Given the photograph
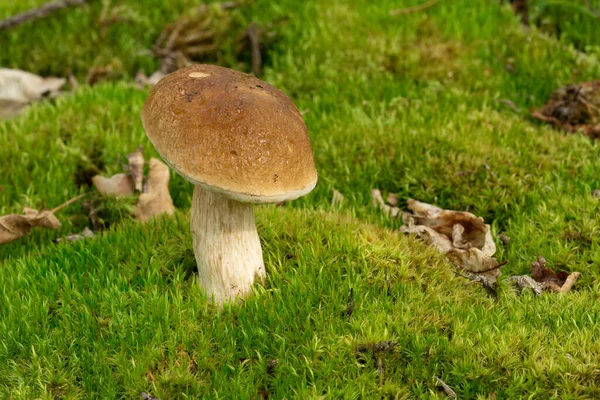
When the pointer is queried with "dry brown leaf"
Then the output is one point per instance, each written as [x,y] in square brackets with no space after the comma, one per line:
[116,185]
[392,199]
[553,281]
[19,88]
[377,200]
[136,168]
[15,226]
[85,233]
[158,199]
[337,198]
[465,239]
[572,108]
[525,281]
[429,236]
[463,228]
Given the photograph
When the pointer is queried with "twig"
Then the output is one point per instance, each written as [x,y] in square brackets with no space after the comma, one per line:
[68,202]
[409,10]
[254,38]
[569,282]
[40,12]
[447,389]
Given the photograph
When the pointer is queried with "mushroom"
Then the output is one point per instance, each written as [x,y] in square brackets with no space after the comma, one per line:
[240,141]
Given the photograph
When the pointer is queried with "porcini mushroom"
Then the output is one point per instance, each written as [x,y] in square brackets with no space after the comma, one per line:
[240,141]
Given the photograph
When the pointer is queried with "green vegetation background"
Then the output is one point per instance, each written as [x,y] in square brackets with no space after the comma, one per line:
[412,104]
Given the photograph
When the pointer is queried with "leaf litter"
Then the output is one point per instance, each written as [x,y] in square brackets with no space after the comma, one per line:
[543,278]
[573,108]
[467,242]
[157,200]
[20,88]
[463,237]
[213,33]
[16,226]
[154,198]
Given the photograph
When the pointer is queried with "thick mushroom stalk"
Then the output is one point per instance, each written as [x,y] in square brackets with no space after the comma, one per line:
[226,245]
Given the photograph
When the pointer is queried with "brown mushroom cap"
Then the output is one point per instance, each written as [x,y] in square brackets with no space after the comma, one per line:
[231,133]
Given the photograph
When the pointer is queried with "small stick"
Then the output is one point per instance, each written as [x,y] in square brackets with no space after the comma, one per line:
[254,38]
[68,202]
[569,282]
[409,10]
[447,389]
[40,12]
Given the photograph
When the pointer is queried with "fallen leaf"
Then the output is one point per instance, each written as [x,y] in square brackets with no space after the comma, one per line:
[392,199]
[142,80]
[504,238]
[136,168]
[337,198]
[463,228]
[157,200]
[85,233]
[378,202]
[465,239]
[441,242]
[15,226]
[116,185]
[553,281]
[573,108]
[19,88]
[524,282]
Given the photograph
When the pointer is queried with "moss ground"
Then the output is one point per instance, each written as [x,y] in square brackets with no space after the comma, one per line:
[412,104]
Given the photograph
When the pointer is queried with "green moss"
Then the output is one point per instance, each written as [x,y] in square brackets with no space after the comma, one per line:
[120,314]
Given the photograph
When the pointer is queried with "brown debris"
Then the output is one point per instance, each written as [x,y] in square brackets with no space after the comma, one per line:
[376,350]
[447,389]
[392,199]
[206,34]
[157,200]
[40,12]
[271,365]
[573,108]
[525,281]
[136,168]
[465,239]
[560,282]
[377,201]
[85,233]
[337,198]
[117,185]
[15,226]
[19,88]
[253,34]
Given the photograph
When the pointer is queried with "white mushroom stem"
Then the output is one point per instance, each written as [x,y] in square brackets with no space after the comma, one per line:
[226,245]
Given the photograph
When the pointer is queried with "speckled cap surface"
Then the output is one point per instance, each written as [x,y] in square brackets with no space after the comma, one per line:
[231,133]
